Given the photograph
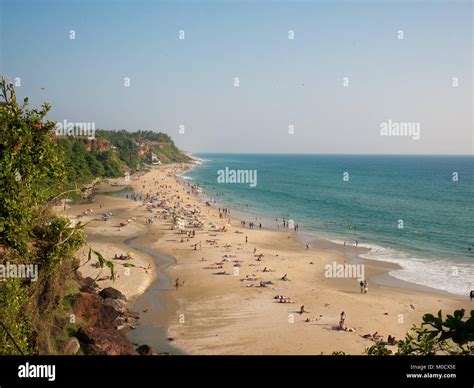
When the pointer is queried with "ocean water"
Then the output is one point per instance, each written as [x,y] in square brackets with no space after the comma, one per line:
[435,246]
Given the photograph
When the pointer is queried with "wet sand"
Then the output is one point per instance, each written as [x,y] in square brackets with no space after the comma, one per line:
[217,313]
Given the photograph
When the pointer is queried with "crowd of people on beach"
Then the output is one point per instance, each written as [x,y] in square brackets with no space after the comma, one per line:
[170,206]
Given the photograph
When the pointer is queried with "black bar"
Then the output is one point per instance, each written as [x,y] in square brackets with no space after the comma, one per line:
[359,370]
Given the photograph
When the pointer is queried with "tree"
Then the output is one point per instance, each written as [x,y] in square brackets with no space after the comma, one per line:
[30,165]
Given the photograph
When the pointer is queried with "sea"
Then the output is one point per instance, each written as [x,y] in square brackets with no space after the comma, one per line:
[415,211]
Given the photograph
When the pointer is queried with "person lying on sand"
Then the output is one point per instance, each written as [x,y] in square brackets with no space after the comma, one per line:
[123,257]
[377,337]
[284,277]
[248,278]
[283,299]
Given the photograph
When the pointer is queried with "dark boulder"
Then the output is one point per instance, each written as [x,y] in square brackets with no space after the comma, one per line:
[100,341]
[112,293]
[89,308]
[144,350]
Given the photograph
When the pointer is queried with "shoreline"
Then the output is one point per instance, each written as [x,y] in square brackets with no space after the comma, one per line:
[353,253]
[221,315]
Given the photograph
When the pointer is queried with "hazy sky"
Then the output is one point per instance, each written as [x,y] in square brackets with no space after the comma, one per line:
[283,81]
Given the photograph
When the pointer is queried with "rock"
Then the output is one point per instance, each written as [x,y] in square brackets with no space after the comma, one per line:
[87,289]
[89,282]
[112,293]
[117,304]
[144,350]
[72,346]
[132,315]
[89,308]
[100,341]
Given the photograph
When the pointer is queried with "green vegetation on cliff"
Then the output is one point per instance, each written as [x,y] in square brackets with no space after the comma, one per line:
[112,153]
[36,169]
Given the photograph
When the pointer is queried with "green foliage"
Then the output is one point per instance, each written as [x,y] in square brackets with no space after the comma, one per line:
[450,336]
[379,349]
[31,173]
[131,150]
[102,262]
[36,168]
[453,328]
[30,165]
[13,297]
[419,342]
[58,240]
[129,145]
[83,165]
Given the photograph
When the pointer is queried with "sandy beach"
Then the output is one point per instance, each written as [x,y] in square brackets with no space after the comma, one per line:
[229,275]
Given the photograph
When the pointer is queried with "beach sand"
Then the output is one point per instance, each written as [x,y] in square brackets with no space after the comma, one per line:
[216,313]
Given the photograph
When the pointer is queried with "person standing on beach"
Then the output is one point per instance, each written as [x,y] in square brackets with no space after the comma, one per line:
[246,239]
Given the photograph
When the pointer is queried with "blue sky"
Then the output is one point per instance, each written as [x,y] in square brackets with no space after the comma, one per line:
[282,82]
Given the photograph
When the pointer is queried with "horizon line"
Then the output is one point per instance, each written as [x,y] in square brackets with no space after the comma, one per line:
[316,153]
